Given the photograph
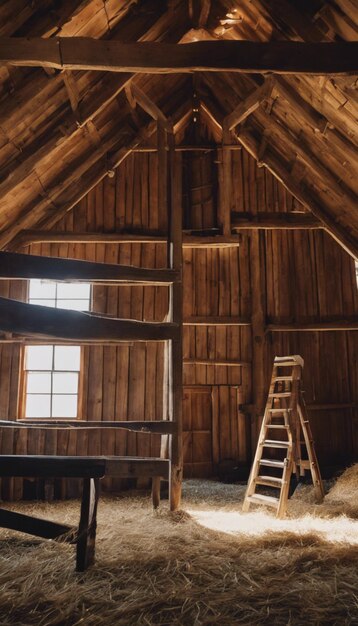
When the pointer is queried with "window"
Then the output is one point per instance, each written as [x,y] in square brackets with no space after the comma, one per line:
[51,372]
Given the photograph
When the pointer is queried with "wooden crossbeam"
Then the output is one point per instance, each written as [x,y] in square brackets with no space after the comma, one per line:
[42,321]
[26,266]
[83,53]
[33,525]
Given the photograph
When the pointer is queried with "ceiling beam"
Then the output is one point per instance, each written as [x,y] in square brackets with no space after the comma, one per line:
[83,53]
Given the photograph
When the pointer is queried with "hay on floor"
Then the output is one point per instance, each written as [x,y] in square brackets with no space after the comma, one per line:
[186,568]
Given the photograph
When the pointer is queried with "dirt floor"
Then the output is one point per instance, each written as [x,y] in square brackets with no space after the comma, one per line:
[207,564]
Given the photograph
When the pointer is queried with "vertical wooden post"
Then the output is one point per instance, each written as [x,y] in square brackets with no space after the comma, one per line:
[162,173]
[88,522]
[224,209]
[258,319]
[176,309]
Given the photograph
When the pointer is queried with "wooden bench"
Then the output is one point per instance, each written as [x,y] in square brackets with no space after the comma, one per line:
[90,470]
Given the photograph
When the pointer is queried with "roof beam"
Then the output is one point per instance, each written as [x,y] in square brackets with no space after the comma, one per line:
[42,321]
[336,230]
[69,194]
[82,53]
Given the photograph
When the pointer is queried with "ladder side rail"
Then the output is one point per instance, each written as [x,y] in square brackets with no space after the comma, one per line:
[309,442]
[251,484]
[294,418]
[287,472]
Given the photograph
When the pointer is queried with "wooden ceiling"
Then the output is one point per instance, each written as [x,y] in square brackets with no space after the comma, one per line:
[62,131]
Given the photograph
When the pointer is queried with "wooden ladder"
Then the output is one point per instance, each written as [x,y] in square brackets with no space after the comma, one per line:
[285,427]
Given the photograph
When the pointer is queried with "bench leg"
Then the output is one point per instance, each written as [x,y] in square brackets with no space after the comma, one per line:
[156,491]
[88,522]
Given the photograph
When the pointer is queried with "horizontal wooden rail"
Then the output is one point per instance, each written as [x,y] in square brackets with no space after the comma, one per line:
[275,221]
[42,321]
[341,406]
[217,362]
[83,53]
[216,321]
[198,240]
[36,340]
[340,325]
[26,266]
[155,427]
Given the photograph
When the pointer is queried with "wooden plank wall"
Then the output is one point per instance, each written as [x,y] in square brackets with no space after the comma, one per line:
[306,277]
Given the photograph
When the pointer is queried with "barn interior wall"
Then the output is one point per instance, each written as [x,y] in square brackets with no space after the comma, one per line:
[304,275]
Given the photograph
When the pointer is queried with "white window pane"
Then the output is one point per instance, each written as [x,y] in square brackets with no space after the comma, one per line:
[75,305]
[38,406]
[65,383]
[41,289]
[67,358]
[64,406]
[38,358]
[38,382]
[50,303]
[69,291]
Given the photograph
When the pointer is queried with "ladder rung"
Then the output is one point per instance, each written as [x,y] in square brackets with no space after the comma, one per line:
[259,498]
[282,394]
[271,463]
[278,410]
[273,443]
[282,378]
[277,426]
[269,481]
[282,361]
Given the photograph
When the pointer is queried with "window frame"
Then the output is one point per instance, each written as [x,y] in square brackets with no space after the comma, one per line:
[23,382]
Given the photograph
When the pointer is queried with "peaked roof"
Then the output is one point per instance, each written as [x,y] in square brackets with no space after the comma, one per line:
[62,131]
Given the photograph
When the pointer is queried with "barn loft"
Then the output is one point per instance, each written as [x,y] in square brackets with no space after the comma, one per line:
[178,184]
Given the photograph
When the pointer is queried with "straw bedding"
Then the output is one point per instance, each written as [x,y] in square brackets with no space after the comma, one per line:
[207,565]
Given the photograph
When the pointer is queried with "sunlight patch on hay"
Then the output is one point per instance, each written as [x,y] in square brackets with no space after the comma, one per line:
[254,524]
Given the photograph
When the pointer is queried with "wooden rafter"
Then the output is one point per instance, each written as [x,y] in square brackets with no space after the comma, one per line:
[336,230]
[147,104]
[282,57]
[249,105]
[93,170]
